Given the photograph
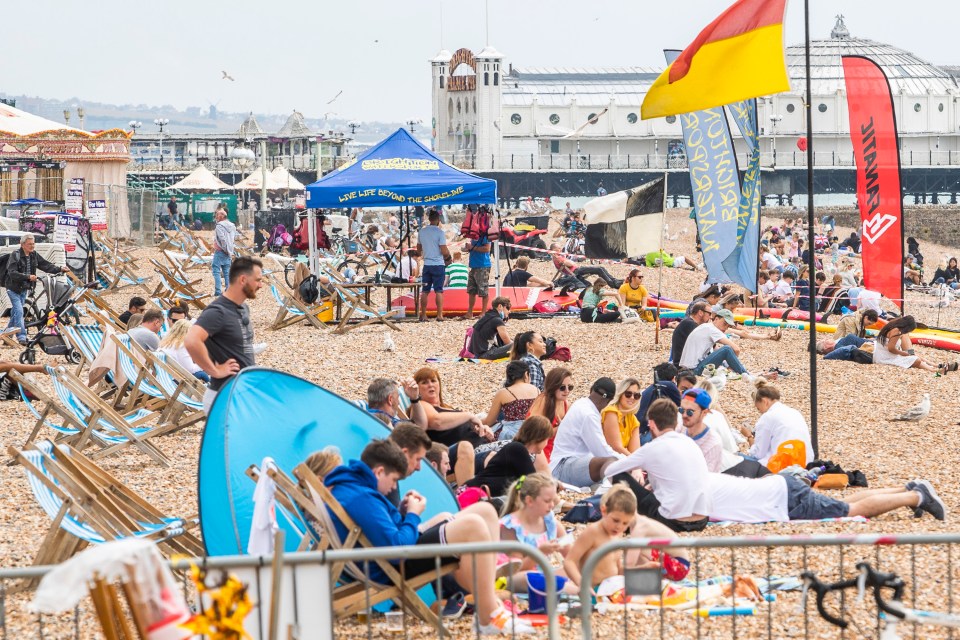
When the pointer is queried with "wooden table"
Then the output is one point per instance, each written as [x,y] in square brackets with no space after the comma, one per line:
[390,287]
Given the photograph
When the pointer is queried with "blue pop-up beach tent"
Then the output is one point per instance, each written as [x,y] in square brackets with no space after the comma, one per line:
[262,412]
[399,172]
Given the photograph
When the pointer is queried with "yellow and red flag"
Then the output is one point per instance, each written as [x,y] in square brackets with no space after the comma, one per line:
[738,56]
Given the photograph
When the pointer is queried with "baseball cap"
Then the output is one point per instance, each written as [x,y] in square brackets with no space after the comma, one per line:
[605,387]
[727,316]
[700,396]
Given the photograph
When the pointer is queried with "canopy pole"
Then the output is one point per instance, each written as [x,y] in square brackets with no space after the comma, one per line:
[496,259]
[312,241]
[263,175]
[811,241]
[663,231]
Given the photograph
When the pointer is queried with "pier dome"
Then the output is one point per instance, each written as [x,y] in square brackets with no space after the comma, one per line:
[907,73]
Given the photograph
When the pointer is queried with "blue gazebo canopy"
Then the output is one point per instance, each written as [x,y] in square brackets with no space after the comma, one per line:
[397,172]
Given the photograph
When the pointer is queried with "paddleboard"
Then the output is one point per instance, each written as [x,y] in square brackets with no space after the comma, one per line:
[455,300]
[263,412]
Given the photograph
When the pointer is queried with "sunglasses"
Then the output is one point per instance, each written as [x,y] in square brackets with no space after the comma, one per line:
[566,387]
[630,395]
[688,412]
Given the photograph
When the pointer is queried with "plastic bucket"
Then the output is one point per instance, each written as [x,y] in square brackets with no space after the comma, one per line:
[537,591]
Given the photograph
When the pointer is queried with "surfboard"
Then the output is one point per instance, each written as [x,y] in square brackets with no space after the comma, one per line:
[455,300]
[263,412]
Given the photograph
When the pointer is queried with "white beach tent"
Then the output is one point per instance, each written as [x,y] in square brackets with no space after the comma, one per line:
[200,179]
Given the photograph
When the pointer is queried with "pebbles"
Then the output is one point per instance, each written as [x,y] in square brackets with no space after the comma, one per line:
[856,404]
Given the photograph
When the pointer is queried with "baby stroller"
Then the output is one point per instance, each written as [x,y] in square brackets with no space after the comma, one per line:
[60,299]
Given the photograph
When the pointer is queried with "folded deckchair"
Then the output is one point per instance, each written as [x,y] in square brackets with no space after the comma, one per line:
[89,506]
[354,305]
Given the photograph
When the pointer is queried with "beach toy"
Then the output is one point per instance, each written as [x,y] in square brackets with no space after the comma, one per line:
[537,591]
[713,612]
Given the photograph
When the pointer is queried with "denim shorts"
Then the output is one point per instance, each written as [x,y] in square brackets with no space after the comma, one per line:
[433,277]
[574,470]
[803,503]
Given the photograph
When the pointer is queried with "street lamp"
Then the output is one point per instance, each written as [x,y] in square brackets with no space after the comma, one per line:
[353,127]
[80,115]
[413,123]
[774,121]
[134,125]
[161,122]
[66,116]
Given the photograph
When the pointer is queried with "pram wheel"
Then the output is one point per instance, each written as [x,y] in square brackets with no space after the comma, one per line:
[74,357]
[29,356]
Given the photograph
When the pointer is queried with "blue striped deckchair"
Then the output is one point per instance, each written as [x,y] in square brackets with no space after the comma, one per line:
[292,310]
[87,505]
[85,338]
[177,382]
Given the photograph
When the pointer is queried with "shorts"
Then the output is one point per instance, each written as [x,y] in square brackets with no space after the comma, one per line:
[574,470]
[679,262]
[478,282]
[803,503]
[418,566]
[433,277]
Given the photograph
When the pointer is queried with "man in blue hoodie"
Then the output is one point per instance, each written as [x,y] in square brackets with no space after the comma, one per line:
[361,487]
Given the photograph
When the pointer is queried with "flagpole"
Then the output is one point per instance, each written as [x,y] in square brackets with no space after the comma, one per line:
[663,222]
[811,239]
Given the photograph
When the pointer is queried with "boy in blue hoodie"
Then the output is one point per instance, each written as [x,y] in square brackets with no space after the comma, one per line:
[361,487]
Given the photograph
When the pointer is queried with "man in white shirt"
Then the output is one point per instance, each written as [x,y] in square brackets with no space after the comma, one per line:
[699,351]
[676,471]
[782,497]
[579,449]
[770,260]
[777,424]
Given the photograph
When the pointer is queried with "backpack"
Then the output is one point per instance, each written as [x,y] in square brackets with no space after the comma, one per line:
[309,290]
[547,306]
[4,266]
[467,341]
[478,224]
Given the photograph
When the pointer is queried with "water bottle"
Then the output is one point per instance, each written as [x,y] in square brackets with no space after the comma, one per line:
[814,474]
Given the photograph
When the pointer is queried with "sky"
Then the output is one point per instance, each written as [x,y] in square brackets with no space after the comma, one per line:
[368,59]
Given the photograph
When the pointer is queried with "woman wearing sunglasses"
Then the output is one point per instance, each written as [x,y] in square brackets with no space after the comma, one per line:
[553,403]
[633,292]
[621,428]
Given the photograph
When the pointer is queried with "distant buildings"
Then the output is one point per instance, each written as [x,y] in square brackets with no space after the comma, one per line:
[490,116]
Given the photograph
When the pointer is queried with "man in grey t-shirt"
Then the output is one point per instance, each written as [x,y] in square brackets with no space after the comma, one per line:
[432,245]
[221,340]
[147,335]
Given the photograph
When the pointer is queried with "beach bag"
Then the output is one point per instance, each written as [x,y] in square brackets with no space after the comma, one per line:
[789,453]
[560,354]
[467,496]
[467,340]
[309,290]
[832,481]
[647,315]
[547,306]
[629,316]
[585,511]
[5,265]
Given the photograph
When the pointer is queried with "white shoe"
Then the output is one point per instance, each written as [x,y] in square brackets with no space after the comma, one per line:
[501,623]
[259,347]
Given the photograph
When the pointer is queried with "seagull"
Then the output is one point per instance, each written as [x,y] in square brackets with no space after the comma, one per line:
[331,100]
[227,76]
[388,343]
[918,412]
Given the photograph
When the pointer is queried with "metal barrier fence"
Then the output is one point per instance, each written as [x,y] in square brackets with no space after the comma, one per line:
[928,572]
[298,605]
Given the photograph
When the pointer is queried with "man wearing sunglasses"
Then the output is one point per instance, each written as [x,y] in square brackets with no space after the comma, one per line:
[693,409]
[677,494]
[699,350]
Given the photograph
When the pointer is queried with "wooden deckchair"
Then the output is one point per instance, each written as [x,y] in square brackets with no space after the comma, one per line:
[87,505]
[314,498]
[292,310]
[353,304]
